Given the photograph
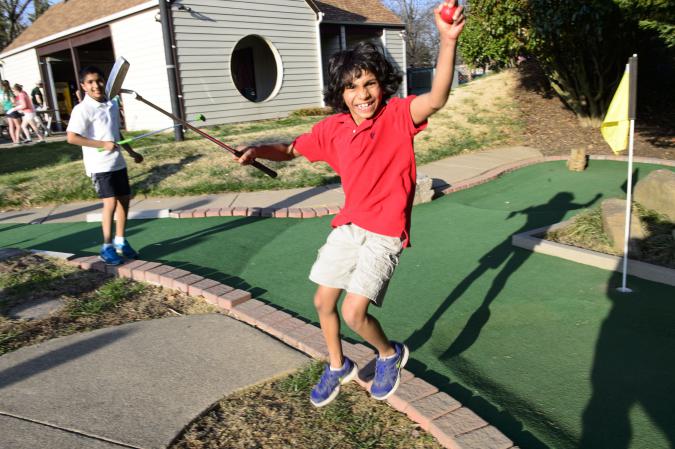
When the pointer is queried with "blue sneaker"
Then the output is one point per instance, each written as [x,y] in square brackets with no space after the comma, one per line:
[329,385]
[110,257]
[126,250]
[388,372]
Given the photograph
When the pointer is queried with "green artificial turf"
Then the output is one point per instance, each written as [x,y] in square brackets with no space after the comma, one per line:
[543,348]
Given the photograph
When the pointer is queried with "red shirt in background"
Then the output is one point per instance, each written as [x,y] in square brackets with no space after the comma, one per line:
[23,102]
[376,164]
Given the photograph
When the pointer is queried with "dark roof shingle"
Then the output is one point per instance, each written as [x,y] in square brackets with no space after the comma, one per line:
[357,11]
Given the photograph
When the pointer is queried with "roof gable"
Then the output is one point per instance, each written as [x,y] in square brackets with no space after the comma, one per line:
[357,11]
[69,14]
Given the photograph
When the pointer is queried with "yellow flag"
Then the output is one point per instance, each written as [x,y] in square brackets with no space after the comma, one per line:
[616,126]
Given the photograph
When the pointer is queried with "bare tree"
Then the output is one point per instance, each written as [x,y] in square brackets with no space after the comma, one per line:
[421,33]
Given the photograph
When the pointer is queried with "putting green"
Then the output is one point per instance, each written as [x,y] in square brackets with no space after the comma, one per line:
[543,348]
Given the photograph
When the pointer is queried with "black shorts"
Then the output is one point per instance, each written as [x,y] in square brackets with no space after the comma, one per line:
[111,183]
[15,114]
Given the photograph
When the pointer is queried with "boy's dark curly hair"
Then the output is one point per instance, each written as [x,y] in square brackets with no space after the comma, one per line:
[346,65]
[84,71]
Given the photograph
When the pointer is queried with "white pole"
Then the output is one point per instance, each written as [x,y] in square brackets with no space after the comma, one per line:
[631,67]
[52,88]
[629,200]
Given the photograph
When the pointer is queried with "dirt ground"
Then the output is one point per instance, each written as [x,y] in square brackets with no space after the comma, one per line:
[554,129]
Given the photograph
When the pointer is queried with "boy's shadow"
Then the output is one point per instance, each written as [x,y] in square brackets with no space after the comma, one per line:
[634,364]
[537,216]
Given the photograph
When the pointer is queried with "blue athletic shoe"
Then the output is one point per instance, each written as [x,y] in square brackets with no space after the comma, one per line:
[329,385]
[110,257]
[126,250]
[388,372]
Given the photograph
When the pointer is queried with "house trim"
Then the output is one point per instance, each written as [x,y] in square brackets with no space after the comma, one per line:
[362,24]
[74,41]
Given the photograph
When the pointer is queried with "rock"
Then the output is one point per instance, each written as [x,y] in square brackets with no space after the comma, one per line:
[657,192]
[613,223]
[423,192]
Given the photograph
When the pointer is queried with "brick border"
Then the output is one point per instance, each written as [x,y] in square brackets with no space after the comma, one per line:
[453,425]
[268,212]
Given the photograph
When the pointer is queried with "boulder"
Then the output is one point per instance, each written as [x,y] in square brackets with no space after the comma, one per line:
[657,192]
[614,221]
[423,192]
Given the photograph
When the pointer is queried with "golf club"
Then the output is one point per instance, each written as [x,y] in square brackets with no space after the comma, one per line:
[200,117]
[114,87]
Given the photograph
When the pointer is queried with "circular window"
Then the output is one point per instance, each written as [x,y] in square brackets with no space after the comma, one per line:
[255,66]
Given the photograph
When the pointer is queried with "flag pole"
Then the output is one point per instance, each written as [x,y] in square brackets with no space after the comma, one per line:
[632,97]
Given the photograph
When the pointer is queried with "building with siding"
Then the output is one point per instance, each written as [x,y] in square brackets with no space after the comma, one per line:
[234,60]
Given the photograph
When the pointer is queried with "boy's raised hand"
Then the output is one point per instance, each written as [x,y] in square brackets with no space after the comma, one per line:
[452,30]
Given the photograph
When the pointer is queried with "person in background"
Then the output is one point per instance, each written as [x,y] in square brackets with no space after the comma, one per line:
[13,117]
[23,104]
[37,97]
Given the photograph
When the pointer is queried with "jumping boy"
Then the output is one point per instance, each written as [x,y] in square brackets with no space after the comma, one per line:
[94,123]
[369,143]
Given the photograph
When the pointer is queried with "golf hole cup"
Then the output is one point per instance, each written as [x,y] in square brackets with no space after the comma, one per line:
[448,13]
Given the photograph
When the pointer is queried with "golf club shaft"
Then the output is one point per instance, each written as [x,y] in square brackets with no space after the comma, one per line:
[131,139]
[152,133]
[237,153]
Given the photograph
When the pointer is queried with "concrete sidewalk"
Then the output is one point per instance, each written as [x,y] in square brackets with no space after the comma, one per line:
[135,385]
[444,173]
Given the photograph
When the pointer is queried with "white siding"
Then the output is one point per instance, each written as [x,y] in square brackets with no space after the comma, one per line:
[395,48]
[206,37]
[139,40]
[22,68]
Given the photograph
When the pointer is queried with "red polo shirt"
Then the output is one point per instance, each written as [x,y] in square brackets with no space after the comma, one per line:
[376,164]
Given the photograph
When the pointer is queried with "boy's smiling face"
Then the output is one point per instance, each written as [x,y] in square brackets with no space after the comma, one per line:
[94,86]
[363,96]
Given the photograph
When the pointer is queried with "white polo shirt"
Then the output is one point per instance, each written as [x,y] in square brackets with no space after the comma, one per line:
[98,121]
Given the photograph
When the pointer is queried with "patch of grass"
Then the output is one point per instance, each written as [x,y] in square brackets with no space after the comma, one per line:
[265,125]
[30,157]
[311,112]
[91,300]
[586,231]
[34,175]
[107,297]
[659,246]
[278,415]
[28,274]
[463,142]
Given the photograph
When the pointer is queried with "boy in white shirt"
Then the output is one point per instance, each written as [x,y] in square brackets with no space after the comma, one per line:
[94,123]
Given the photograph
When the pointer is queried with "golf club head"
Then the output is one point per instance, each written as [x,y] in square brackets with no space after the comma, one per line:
[116,78]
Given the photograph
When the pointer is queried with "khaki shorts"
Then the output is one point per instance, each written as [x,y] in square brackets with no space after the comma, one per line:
[358,261]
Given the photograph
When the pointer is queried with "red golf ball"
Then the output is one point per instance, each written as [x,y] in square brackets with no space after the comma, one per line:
[447,13]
